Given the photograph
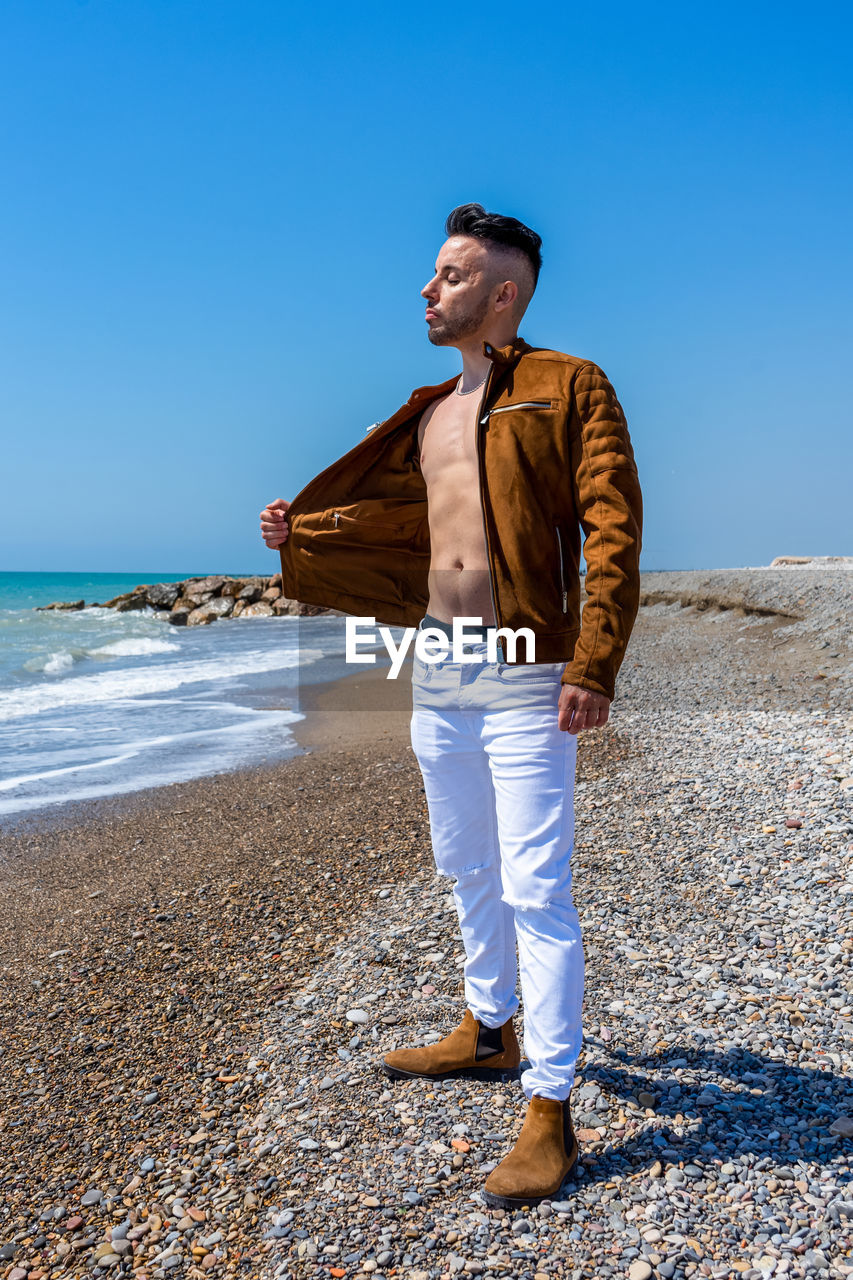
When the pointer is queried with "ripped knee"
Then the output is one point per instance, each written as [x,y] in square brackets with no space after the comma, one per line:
[470,872]
[529,900]
[522,906]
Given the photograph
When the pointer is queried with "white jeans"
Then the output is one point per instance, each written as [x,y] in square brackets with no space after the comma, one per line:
[499,781]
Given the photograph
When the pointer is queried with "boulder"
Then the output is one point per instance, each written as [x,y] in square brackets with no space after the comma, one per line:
[62,604]
[136,600]
[275,580]
[178,617]
[240,607]
[233,586]
[311,610]
[187,605]
[162,595]
[130,600]
[252,591]
[197,586]
[284,607]
[202,589]
[210,611]
[196,598]
[271,593]
[260,609]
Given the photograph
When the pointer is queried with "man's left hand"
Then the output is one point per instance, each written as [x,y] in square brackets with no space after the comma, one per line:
[581,709]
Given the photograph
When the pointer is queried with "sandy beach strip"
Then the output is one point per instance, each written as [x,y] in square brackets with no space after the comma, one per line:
[199,980]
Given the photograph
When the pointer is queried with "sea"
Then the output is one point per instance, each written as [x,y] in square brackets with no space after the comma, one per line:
[95,703]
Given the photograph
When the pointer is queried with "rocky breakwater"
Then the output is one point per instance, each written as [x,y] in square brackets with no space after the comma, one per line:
[198,601]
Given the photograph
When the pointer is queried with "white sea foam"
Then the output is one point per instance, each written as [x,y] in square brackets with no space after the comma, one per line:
[9,784]
[62,660]
[162,759]
[55,663]
[134,647]
[259,719]
[135,682]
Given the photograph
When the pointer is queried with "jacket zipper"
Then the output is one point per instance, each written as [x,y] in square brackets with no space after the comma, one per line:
[563,590]
[523,404]
[482,419]
[338,516]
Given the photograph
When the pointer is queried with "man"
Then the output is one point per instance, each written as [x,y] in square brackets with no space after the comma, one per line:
[468,503]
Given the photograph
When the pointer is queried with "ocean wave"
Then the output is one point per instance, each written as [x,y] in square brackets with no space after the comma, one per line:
[163,741]
[157,761]
[128,683]
[56,663]
[134,647]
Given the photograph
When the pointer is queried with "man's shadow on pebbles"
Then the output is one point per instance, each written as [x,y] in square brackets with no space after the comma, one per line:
[747,1105]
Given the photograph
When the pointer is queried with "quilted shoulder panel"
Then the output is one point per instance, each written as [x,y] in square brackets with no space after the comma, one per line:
[604,431]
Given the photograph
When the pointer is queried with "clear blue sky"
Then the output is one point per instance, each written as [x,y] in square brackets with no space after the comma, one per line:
[217,217]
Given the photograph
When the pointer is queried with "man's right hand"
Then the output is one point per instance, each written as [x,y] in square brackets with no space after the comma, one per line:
[274,527]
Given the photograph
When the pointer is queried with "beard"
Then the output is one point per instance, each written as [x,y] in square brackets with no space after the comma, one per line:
[463,325]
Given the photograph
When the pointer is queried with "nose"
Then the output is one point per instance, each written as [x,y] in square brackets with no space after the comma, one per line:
[429,290]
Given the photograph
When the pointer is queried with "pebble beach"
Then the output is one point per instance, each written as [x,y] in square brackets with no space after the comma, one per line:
[198,981]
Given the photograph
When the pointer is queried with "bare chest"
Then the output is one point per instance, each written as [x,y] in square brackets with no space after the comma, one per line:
[448,438]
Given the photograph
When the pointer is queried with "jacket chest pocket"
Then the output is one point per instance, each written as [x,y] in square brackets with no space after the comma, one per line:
[532,429]
[522,406]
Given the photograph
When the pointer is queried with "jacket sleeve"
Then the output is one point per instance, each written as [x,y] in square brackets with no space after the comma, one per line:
[609,506]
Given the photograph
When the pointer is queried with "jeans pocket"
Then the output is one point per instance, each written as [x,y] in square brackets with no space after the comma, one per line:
[529,672]
[421,671]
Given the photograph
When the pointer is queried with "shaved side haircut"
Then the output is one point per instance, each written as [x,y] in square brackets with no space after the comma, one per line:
[505,236]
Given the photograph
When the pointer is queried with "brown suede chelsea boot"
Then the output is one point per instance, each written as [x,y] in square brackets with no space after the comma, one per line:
[544,1156]
[472,1052]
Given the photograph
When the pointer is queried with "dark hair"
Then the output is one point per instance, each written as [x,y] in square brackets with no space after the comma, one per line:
[472,220]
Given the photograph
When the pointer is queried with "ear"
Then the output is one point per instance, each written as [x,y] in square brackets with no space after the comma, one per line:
[506,295]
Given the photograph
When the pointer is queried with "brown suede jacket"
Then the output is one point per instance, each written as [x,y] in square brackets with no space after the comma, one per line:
[555,457]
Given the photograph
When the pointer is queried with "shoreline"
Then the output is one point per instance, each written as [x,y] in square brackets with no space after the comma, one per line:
[790,595]
[313,702]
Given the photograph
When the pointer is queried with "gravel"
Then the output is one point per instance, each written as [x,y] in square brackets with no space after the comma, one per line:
[714,1089]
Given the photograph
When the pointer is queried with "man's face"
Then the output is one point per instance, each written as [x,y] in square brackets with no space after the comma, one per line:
[459,295]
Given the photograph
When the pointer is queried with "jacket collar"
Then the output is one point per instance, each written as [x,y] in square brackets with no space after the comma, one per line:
[506,355]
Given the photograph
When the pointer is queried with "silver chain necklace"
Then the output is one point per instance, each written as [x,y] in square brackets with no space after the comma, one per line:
[470,390]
